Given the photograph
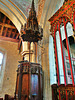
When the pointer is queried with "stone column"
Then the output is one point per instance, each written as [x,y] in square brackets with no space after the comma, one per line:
[25,51]
[47,92]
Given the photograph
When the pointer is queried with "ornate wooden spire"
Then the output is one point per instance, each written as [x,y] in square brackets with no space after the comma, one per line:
[31,31]
[33,5]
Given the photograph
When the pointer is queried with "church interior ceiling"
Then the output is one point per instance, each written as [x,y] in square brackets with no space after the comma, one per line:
[17,10]
[8,31]
[25,5]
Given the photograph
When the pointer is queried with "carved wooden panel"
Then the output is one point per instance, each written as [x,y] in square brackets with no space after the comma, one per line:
[29,81]
[67,11]
[63,92]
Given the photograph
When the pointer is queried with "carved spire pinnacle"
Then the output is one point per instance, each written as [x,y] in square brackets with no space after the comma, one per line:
[32,7]
[32,32]
[32,11]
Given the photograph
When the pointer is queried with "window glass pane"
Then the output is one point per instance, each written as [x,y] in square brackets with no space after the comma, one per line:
[0,67]
[59,55]
[52,62]
[68,66]
[1,58]
[74,68]
[69,72]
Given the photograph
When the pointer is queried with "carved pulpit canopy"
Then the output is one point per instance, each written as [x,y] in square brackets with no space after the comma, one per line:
[31,31]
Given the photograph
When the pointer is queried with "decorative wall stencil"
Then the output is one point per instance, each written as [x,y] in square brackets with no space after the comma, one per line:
[65,15]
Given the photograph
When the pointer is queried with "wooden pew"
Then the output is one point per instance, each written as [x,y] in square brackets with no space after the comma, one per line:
[1,98]
[8,97]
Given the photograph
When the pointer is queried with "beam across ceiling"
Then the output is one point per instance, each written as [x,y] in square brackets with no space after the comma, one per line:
[8,31]
[8,39]
[7,25]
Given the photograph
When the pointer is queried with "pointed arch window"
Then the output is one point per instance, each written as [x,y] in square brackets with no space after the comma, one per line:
[1,60]
[2,66]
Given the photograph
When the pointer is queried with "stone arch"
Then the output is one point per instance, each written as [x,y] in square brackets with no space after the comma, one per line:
[13,13]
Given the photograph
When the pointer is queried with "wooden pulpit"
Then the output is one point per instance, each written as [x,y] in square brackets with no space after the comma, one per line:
[29,81]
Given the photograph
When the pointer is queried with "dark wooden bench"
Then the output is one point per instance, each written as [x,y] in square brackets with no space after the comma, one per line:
[1,98]
[8,97]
